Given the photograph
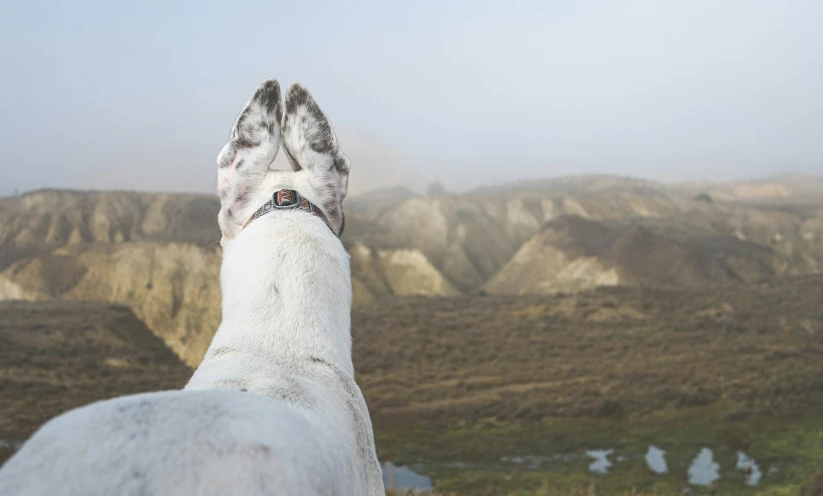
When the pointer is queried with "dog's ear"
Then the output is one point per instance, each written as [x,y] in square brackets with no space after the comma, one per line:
[312,147]
[244,161]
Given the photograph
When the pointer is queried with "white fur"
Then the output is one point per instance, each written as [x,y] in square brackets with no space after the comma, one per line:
[273,408]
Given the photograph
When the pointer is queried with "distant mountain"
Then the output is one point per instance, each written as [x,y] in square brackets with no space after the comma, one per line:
[468,238]
[380,199]
[787,187]
[781,188]
[572,254]
[41,221]
[573,184]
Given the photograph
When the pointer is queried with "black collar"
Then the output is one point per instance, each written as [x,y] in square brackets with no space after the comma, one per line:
[287,199]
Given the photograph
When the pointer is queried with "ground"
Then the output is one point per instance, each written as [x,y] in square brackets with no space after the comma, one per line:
[456,385]
[56,355]
[462,388]
[610,353]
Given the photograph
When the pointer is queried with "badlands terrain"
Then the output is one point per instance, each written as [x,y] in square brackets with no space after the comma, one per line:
[158,253]
[535,319]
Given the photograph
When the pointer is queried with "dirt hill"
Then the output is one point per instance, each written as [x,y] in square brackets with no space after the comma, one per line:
[58,355]
[38,222]
[782,188]
[173,287]
[702,244]
[157,253]
[468,238]
[572,253]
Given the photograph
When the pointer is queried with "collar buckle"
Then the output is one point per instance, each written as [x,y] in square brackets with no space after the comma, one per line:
[286,199]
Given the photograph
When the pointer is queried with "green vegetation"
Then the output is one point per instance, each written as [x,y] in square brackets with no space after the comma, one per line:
[477,459]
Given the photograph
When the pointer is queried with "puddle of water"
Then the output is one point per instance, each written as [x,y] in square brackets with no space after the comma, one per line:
[535,462]
[656,460]
[601,461]
[400,477]
[704,470]
[749,466]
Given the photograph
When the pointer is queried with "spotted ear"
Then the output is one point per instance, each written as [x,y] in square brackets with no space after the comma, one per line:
[311,145]
[245,159]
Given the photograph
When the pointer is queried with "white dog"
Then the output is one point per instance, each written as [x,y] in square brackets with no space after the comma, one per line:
[273,408]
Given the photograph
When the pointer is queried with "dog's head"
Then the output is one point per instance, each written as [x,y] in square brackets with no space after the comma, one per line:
[320,170]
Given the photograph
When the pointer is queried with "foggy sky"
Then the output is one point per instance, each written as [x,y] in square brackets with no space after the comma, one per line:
[142,95]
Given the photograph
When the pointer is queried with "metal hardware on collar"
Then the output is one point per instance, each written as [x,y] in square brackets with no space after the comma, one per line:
[287,199]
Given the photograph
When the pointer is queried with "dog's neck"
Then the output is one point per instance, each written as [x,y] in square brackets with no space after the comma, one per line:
[286,288]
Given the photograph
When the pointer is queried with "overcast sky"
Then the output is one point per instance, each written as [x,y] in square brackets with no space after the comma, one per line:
[142,95]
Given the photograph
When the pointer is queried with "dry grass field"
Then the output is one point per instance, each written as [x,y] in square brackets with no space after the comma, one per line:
[608,353]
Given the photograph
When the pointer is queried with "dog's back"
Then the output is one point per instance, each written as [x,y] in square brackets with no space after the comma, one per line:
[187,442]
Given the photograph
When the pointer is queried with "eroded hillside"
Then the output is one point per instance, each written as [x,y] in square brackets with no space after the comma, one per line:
[38,222]
[173,287]
[469,238]
[732,243]
[158,253]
